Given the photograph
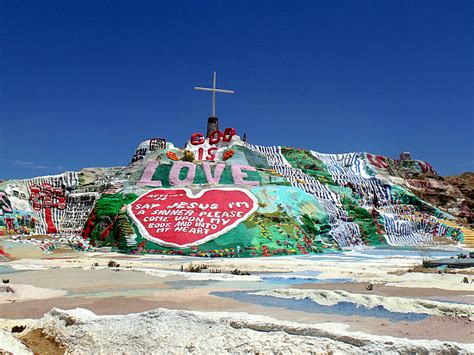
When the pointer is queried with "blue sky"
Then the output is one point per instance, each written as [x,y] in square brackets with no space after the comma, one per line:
[83,82]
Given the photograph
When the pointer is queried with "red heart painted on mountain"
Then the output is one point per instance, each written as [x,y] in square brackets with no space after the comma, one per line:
[177,218]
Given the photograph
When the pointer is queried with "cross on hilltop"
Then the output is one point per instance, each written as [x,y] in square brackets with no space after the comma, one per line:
[213,121]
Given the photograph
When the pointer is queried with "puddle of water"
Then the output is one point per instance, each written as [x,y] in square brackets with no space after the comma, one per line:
[302,280]
[307,305]
[5,269]
[300,277]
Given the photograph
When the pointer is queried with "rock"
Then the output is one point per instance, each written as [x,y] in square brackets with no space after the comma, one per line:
[18,328]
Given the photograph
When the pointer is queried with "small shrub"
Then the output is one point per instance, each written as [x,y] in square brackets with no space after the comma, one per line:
[18,328]
[239,272]
[113,264]
[191,268]
[188,156]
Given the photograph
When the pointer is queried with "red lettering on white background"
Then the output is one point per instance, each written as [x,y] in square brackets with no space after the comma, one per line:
[228,134]
[214,137]
[197,138]
[200,153]
[211,153]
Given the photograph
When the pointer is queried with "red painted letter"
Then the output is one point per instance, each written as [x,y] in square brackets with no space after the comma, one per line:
[197,138]
[228,134]
[215,137]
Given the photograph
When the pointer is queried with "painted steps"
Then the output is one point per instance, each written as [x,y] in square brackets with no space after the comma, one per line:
[468,233]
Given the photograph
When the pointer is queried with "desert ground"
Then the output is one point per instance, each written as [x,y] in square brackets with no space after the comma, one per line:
[352,301]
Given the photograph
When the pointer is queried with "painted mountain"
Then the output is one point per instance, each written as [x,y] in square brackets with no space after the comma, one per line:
[223,197]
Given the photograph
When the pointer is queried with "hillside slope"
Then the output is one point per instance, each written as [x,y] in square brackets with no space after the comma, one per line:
[225,197]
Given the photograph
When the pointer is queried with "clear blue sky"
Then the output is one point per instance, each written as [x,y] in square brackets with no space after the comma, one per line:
[83,82]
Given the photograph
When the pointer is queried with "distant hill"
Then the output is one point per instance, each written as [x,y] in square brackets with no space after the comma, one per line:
[225,197]
[465,183]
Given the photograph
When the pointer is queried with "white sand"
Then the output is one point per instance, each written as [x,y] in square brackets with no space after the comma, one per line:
[170,331]
[26,293]
[10,344]
[377,269]
[184,331]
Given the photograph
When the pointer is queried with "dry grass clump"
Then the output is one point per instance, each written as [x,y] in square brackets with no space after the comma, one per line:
[431,270]
[239,272]
[193,268]
[113,264]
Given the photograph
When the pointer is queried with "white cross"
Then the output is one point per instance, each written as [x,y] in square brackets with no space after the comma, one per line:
[214,90]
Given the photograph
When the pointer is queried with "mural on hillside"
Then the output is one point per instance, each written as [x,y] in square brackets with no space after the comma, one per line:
[178,218]
[223,197]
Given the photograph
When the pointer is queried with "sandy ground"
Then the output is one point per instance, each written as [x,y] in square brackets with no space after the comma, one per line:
[69,280]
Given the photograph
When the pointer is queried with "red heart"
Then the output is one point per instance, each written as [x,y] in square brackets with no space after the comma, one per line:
[177,218]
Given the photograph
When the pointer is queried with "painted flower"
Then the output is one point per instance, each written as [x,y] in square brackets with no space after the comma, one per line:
[228,154]
[172,156]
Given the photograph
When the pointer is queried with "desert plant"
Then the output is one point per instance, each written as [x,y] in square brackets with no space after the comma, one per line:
[188,156]
[113,264]
[18,328]
[239,272]
[192,268]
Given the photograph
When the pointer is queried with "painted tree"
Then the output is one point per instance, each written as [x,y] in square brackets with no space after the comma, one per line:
[47,198]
